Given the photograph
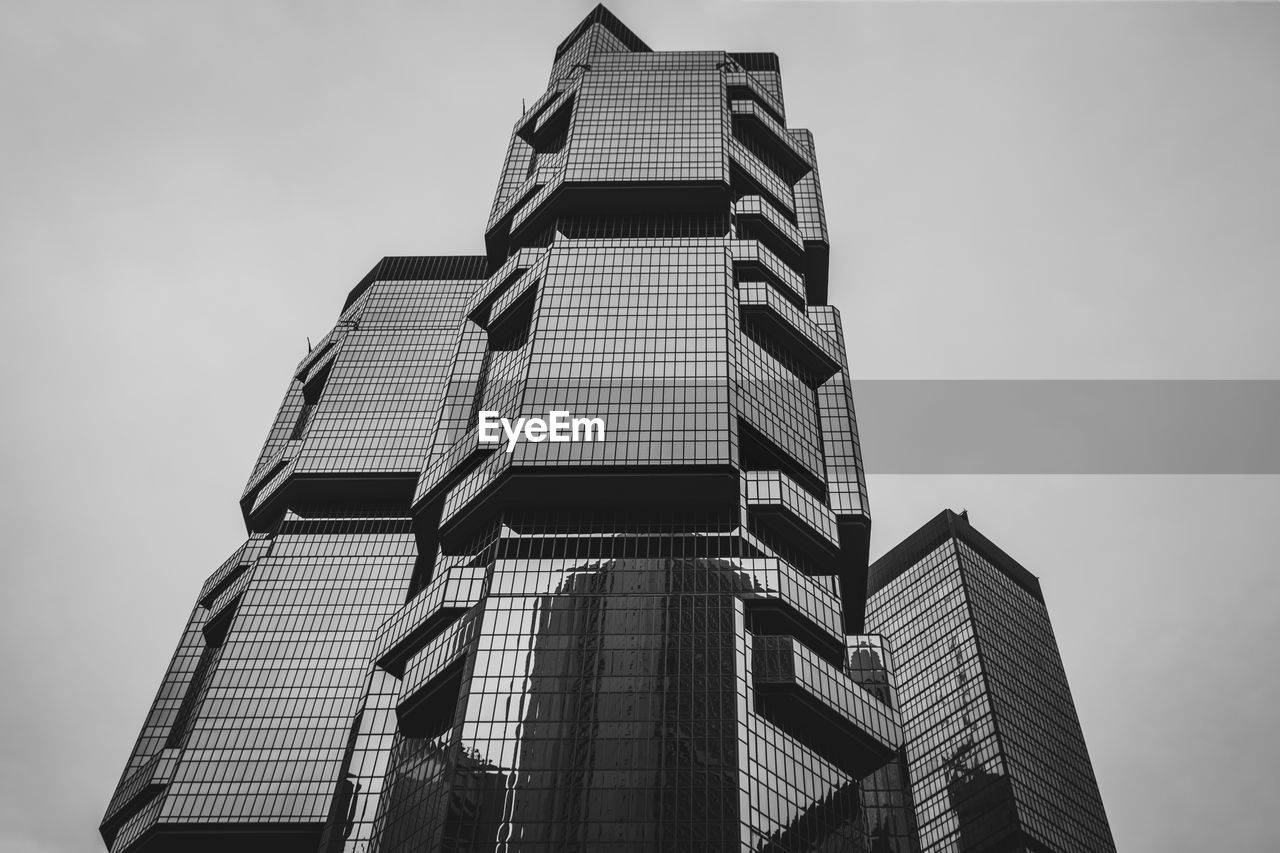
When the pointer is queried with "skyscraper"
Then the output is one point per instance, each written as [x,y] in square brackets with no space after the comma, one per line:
[885,804]
[995,752]
[620,625]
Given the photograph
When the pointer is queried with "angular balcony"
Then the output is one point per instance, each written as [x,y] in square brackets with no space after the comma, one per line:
[772,139]
[821,706]
[139,789]
[784,600]
[432,680]
[456,588]
[504,278]
[752,261]
[749,175]
[543,125]
[741,86]
[789,331]
[757,219]
[776,502]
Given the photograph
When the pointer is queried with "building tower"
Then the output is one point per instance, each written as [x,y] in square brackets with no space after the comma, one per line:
[430,641]
[996,756]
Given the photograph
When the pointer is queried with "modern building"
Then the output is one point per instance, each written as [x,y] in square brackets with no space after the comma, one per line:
[635,640]
[995,754]
[885,804]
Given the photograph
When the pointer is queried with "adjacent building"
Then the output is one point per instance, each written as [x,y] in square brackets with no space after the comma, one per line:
[430,641]
[995,755]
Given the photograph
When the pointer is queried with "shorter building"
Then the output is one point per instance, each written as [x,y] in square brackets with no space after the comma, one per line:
[995,754]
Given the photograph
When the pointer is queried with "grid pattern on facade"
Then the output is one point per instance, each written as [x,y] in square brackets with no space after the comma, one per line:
[1053,781]
[631,643]
[994,747]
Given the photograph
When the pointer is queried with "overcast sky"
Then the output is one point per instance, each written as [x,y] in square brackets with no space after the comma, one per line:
[1014,190]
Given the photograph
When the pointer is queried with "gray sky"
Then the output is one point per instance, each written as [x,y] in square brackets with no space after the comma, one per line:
[1031,190]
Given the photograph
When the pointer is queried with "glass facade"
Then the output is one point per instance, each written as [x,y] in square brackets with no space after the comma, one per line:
[650,641]
[996,757]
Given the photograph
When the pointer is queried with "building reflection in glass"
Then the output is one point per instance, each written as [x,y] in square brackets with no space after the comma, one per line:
[605,706]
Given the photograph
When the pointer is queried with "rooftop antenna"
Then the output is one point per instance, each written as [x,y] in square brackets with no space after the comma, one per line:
[308,343]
